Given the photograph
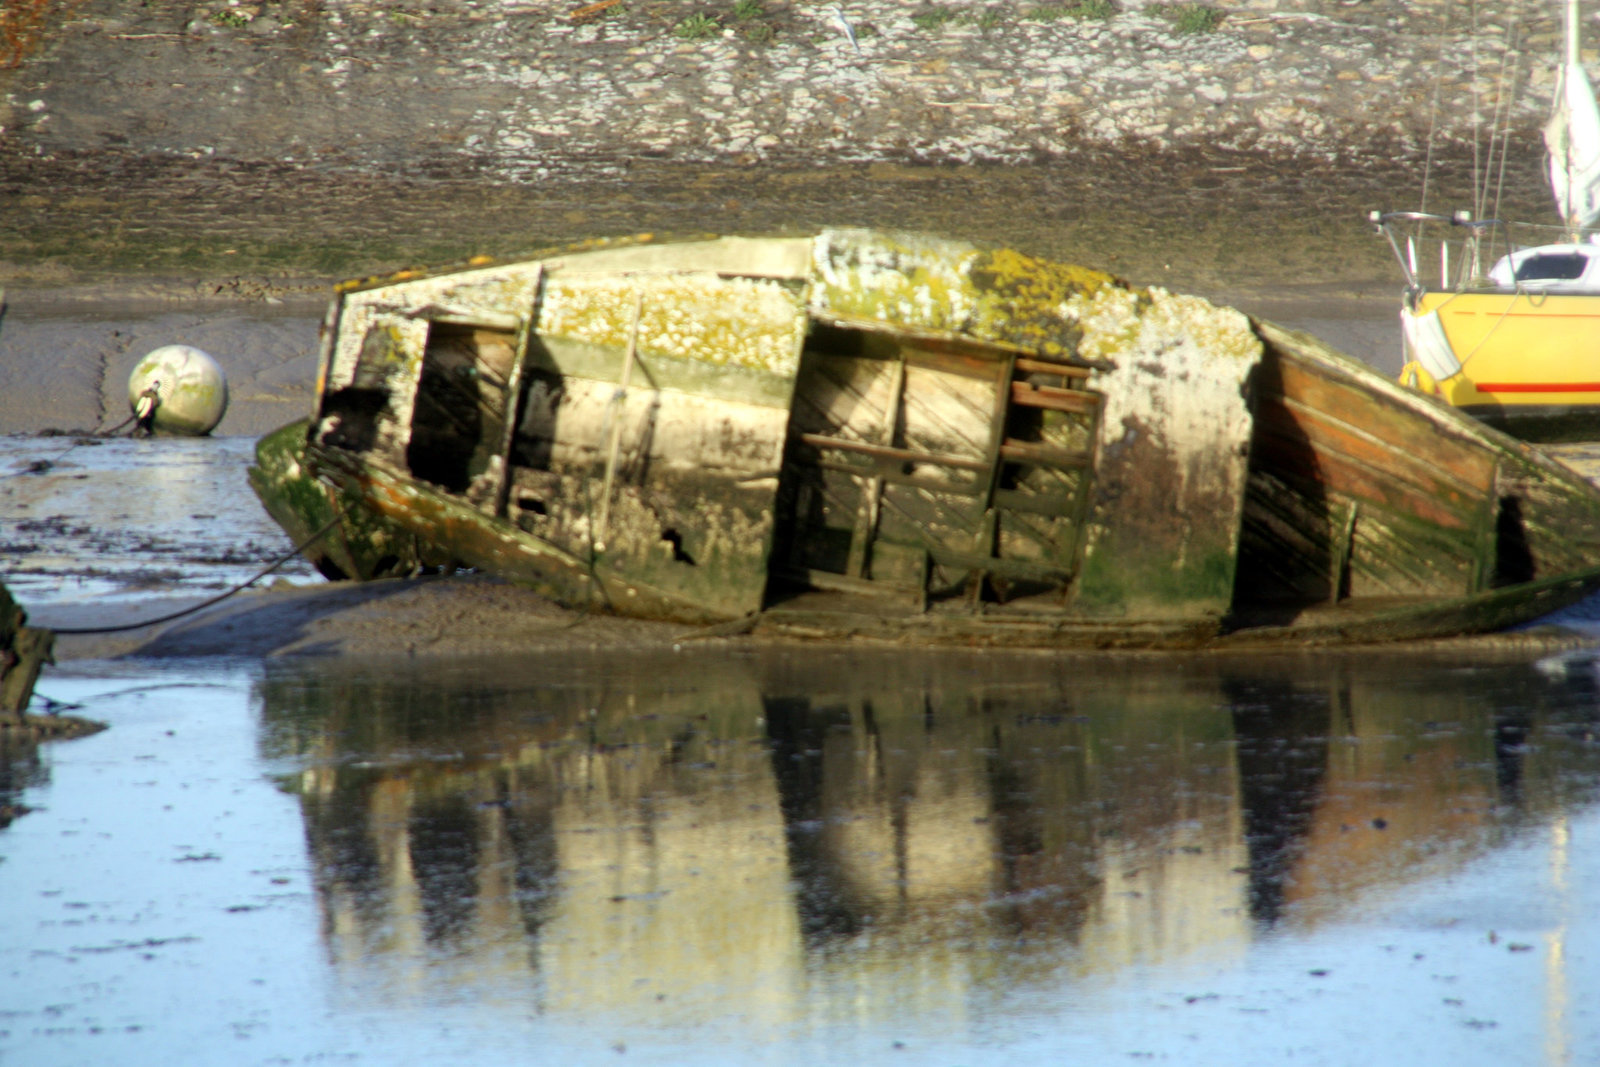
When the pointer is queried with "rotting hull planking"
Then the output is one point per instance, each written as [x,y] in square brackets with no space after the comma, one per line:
[1368,491]
[892,436]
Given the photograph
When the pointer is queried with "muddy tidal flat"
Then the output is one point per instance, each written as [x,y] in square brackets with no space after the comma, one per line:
[442,820]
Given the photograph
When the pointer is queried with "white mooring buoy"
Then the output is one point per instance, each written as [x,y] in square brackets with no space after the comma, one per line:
[178,389]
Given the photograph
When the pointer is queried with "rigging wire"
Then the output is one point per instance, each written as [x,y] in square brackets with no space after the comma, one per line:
[40,466]
[1513,42]
[1480,196]
[1433,119]
[1477,117]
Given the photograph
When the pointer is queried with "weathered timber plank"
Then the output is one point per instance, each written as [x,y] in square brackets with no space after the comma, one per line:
[1027,452]
[1289,532]
[1038,570]
[1033,536]
[947,413]
[891,473]
[961,365]
[1044,396]
[1402,430]
[903,455]
[917,515]
[1336,474]
[1385,561]
[1052,505]
[1039,366]
[1330,436]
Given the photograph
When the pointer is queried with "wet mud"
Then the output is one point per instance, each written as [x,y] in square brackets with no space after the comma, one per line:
[90,524]
[134,548]
[106,256]
[1194,219]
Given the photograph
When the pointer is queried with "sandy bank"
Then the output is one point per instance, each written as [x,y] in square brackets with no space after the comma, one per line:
[423,617]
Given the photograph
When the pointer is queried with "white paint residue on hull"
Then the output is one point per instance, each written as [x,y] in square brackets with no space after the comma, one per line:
[1181,365]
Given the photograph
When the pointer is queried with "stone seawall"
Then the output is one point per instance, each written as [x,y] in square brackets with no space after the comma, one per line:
[522,89]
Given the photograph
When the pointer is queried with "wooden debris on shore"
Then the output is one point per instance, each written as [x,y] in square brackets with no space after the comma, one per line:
[24,650]
[34,728]
[589,11]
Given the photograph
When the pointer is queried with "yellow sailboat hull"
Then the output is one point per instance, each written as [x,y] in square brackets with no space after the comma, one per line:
[1530,362]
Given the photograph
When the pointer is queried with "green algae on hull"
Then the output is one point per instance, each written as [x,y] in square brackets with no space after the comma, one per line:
[904,437]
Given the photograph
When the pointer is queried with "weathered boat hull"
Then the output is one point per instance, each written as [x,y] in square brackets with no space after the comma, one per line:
[862,434]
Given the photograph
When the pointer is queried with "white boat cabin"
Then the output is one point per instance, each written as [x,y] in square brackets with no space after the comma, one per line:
[1556,268]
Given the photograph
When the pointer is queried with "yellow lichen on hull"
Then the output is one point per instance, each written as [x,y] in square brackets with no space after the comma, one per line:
[1117,321]
[739,322]
[1029,302]
[931,284]
[915,281]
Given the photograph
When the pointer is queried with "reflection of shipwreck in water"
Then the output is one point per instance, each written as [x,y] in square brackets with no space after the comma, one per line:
[899,437]
[918,834]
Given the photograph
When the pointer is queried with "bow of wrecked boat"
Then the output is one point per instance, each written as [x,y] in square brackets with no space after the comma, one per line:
[905,438]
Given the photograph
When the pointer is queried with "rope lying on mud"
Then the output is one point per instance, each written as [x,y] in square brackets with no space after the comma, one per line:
[42,466]
[247,583]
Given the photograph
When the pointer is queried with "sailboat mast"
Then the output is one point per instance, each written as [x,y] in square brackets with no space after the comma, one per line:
[1571,55]
[1572,136]
[1571,61]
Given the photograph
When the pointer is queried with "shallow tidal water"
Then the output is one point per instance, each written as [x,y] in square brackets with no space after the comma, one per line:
[769,855]
[782,856]
[85,521]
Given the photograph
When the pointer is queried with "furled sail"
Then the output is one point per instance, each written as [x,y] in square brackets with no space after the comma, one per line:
[1572,136]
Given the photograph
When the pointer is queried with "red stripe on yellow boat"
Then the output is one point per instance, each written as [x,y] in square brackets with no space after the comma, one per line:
[1537,387]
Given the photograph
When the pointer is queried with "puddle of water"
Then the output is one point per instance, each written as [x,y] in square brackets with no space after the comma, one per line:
[85,520]
[788,855]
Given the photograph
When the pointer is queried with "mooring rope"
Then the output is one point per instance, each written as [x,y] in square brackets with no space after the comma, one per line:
[40,466]
[280,561]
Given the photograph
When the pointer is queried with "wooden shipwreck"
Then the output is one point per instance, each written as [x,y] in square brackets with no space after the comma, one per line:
[873,434]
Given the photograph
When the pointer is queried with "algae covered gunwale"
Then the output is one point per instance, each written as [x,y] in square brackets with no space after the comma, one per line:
[901,437]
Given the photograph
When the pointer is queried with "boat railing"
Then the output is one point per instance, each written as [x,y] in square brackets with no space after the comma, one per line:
[1459,243]
[1463,247]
